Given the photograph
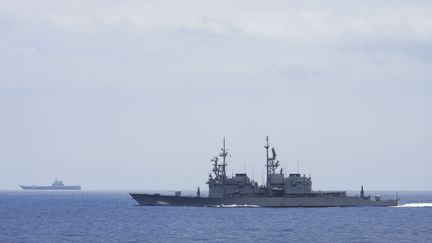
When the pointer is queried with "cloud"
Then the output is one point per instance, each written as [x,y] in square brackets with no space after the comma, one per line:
[95,82]
[73,24]
[286,21]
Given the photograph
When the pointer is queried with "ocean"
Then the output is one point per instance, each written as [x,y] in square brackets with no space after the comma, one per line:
[92,216]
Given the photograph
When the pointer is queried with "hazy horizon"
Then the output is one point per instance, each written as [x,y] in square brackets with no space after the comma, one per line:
[138,95]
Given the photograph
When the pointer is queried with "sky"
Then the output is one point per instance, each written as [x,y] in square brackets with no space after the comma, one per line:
[138,95]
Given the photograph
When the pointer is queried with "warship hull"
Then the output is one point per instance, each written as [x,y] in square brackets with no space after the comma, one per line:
[264,201]
[51,187]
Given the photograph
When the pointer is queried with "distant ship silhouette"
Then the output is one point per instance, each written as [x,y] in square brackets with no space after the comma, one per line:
[56,185]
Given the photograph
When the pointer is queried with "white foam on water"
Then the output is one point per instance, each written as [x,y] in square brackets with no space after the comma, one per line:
[415,205]
[236,206]
[162,203]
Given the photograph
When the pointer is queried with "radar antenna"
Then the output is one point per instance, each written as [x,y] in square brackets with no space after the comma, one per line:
[219,169]
[272,164]
[223,155]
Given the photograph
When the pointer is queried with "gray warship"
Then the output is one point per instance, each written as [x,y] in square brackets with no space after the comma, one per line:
[293,190]
[56,185]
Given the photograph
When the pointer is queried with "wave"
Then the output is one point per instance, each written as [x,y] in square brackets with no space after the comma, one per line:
[416,205]
[235,206]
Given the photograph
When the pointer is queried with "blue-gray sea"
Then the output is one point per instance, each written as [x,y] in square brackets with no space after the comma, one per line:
[87,216]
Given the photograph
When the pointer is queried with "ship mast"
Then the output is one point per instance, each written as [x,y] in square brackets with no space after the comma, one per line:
[223,154]
[219,169]
[267,159]
[271,162]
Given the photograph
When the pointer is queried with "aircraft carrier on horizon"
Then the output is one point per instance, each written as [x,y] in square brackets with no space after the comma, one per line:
[280,190]
[56,185]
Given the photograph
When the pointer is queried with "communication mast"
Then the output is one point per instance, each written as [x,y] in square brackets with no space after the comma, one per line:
[219,169]
[223,155]
[272,163]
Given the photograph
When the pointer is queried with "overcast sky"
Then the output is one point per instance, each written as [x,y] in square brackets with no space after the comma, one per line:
[138,95]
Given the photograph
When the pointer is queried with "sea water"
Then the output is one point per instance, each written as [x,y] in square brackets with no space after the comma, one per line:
[86,216]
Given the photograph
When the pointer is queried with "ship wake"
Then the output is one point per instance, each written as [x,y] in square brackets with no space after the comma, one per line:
[235,206]
[416,205]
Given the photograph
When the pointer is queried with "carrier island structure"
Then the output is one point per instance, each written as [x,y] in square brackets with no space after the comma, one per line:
[280,190]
